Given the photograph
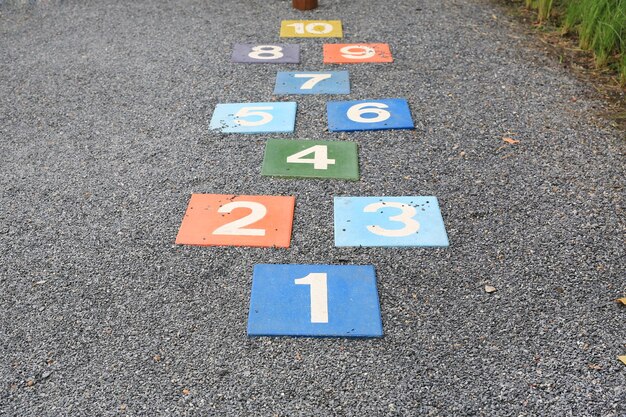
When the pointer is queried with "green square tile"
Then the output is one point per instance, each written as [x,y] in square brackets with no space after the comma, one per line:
[311,159]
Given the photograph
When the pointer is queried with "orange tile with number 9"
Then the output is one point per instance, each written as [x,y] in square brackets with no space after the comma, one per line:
[354,53]
[237,220]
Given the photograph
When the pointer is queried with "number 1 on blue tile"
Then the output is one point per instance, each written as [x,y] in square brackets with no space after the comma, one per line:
[314,300]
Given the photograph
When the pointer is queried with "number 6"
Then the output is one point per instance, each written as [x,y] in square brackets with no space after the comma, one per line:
[355,112]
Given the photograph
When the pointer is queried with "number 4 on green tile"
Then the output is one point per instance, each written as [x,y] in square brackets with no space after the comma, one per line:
[311,159]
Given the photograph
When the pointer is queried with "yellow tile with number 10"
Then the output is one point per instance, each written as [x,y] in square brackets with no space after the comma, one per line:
[311,29]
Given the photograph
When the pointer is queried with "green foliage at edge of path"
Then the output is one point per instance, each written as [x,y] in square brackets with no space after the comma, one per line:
[599,24]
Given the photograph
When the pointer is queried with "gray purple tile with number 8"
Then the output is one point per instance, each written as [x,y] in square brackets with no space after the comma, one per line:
[277,53]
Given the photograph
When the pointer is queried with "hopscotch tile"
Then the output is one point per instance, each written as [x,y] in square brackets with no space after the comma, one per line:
[312,82]
[266,53]
[356,53]
[237,220]
[380,114]
[312,159]
[254,117]
[314,300]
[389,222]
[311,29]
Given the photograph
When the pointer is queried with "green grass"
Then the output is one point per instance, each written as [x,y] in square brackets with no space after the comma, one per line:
[599,24]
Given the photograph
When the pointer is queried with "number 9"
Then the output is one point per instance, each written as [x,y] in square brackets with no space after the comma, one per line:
[357,52]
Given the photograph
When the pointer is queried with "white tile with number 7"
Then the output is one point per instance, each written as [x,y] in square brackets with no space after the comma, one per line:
[275,117]
[389,222]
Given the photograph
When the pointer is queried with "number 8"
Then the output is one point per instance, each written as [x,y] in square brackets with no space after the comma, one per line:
[266,52]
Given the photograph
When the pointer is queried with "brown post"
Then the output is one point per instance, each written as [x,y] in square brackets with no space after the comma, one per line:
[305,4]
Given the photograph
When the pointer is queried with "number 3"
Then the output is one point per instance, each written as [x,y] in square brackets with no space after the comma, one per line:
[411,225]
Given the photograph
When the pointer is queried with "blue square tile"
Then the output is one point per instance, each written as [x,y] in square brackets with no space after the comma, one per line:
[389,221]
[312,82]
[314,300]
[392,113]
[254,117]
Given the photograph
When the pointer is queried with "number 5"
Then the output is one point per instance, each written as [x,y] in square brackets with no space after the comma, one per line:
[405,217]
[252,111]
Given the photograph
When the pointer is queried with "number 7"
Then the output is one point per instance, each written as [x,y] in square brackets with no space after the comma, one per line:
[314,79]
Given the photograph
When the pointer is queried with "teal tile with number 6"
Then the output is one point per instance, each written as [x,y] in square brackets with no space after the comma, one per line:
[389,221]
[314,300]
[390,113]
[312,82]
[273,117]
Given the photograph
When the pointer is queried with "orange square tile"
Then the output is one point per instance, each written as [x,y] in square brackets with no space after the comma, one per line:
[354,53]
[237,220]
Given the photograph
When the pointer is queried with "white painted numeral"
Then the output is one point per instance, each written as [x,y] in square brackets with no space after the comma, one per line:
[320,157]
[356,112]
[319,295]
[253,111]
[406,217]
[236,228]
[266,52]
[357,52]
[312,28]
[314,79]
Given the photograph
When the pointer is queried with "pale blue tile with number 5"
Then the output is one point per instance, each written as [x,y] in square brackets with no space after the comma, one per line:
[312,82]
[314,300]
[273,117]
[389,221]
[381,114]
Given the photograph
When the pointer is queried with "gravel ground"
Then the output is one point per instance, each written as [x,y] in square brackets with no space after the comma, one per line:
[104,107]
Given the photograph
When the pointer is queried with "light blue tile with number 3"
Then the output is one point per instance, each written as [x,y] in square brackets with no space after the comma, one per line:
[381,114]
[312,82]
[314,300]
[389,221]
[275,117]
